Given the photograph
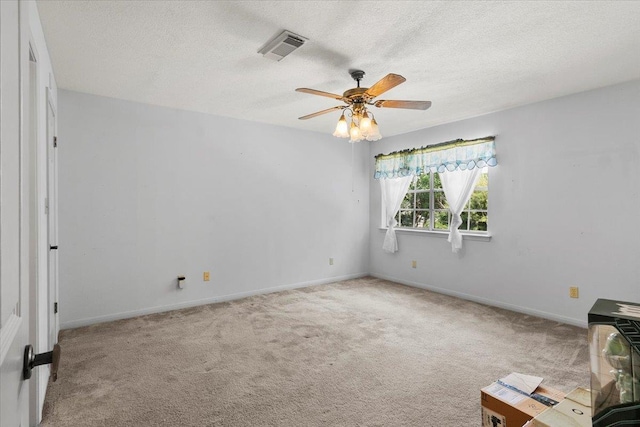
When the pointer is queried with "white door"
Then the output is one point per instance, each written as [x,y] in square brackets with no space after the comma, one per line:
[52,212]
[14,328]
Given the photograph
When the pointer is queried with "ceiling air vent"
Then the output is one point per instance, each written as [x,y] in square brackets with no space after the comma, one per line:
[282,45]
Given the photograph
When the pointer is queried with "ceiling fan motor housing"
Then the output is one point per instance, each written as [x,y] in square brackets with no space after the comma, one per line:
[356,94]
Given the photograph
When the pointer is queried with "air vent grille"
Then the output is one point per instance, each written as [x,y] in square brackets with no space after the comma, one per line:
[282,45]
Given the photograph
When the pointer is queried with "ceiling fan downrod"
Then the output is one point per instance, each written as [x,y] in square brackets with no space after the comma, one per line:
[357,75]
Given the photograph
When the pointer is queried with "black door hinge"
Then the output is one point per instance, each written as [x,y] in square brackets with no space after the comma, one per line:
[55,308]
[55,142]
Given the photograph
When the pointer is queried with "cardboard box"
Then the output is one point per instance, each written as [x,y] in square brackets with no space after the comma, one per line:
[504,407]
[573,411]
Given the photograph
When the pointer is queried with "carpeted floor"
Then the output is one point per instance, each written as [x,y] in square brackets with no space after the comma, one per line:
[362,352]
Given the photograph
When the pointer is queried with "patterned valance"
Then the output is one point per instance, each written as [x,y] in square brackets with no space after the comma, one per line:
[446,156]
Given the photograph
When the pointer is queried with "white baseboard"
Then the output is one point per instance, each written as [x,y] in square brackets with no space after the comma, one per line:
[486,301]
[159,309]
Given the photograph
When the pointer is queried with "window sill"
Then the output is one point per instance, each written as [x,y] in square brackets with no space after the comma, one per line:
[441,234]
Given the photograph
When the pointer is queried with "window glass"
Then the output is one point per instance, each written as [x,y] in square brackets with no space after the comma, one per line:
[425,205]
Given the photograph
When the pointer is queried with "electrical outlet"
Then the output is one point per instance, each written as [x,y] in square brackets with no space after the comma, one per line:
[573,292]
[205,276]
[330,261]
[414,264]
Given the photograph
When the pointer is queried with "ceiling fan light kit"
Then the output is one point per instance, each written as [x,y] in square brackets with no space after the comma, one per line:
[362,126]
[363,122]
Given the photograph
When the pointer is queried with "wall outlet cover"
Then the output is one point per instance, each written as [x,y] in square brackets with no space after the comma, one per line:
[574,292]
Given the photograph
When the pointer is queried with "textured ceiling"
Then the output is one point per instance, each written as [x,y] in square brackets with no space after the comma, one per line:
[468,58]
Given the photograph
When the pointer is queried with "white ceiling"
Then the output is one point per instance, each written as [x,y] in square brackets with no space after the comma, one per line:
[468,58]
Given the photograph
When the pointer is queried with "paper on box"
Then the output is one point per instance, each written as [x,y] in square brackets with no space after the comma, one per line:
[574,411]
[526,383]
[503,407]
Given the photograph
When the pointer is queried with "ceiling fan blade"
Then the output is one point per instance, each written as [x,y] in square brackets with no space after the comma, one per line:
[319,92]
[388,82]
[412,105]
[319,113]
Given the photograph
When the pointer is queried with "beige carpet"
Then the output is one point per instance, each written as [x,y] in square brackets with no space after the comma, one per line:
[362,352]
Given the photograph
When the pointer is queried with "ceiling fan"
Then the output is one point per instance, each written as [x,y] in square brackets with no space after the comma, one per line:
[356,100]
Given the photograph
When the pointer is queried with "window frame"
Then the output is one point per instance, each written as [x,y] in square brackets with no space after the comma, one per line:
[481,234]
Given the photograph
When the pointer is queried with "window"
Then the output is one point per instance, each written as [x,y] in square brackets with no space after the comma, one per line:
[425,206]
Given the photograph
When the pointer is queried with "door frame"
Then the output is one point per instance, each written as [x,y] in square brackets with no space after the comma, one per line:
[52,221]
[36,396]
[38,99]
[38,102]
[43,321]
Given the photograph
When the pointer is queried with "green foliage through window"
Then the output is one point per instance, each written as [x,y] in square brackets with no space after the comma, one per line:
[425,205]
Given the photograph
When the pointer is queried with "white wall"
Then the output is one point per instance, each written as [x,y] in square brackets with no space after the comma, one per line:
[149,193]
[563,208]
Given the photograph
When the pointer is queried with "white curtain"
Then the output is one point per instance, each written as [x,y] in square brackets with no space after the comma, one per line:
[458,186]
[393,191]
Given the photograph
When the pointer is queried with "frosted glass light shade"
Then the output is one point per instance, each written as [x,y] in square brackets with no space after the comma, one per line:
[365,124]
[374,133]
[342,129]
[355,133]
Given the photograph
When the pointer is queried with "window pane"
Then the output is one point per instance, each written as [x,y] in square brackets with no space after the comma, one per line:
[464,216]
[436,181]
[407,202]
[416,209]
[483,181]
[422,200]
[422,219]
[478,200]
[478,221]
[406,218]
[412,186]
[439,201]
[441,220]
[423,182]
